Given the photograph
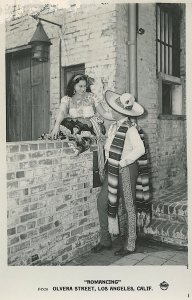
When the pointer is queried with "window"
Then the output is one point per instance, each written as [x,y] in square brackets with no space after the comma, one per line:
[67,73]
[166,98]
[168,58]
[170,94]
[168,39]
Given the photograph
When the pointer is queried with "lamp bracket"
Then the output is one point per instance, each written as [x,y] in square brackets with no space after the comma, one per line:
[42,19]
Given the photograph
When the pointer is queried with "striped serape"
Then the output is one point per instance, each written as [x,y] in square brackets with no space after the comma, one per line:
[143,195]
[115,153]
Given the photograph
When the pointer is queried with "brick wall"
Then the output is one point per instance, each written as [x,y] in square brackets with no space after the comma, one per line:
[148,84]
[97,35]
[171,153]
[146,73]
[122,65]
[172,142]
[167,136]
[87,36]
[51,207]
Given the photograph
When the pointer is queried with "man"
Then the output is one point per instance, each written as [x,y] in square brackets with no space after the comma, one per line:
[122,149]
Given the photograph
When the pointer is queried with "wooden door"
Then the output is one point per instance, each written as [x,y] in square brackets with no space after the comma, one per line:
[18,97]
[27,97]
[40,98]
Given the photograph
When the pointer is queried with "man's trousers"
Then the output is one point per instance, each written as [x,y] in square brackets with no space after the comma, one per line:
[127,191]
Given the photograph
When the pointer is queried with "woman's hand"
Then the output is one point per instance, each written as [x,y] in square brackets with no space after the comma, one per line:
[75,130]
[63,111]
[55,131]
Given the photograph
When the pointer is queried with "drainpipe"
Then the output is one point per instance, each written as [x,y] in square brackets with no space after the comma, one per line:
[132,48]
[60,84]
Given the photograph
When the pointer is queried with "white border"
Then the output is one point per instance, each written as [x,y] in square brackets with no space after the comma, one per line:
[22,282]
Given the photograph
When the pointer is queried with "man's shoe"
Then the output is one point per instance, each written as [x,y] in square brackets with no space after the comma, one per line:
[123,252]
[99,247]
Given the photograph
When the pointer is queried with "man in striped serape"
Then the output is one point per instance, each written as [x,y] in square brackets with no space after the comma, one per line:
[122,149]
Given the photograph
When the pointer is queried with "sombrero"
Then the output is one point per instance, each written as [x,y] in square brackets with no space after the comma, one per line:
[124,104]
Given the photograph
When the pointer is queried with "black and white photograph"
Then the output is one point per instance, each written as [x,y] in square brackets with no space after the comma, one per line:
[95,138]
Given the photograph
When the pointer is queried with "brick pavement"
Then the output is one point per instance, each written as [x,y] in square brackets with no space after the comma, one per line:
[148,252]
[165,241]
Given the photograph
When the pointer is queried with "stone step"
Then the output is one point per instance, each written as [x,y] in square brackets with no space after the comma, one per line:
[170,210]
[169,216]
[167,231]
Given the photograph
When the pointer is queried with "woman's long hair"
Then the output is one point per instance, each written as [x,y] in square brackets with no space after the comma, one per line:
[74,80]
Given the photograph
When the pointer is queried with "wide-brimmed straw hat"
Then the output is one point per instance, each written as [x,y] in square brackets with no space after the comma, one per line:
[124,104]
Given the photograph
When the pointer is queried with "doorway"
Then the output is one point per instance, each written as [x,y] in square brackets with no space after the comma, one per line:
[27,96]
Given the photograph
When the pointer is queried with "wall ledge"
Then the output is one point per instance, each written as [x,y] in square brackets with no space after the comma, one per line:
[42,145]
[172,117]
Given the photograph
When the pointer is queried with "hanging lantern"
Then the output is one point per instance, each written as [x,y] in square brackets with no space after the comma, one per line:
[40,44]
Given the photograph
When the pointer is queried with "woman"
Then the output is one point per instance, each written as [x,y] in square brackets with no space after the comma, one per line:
[79,103]
[77,113]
